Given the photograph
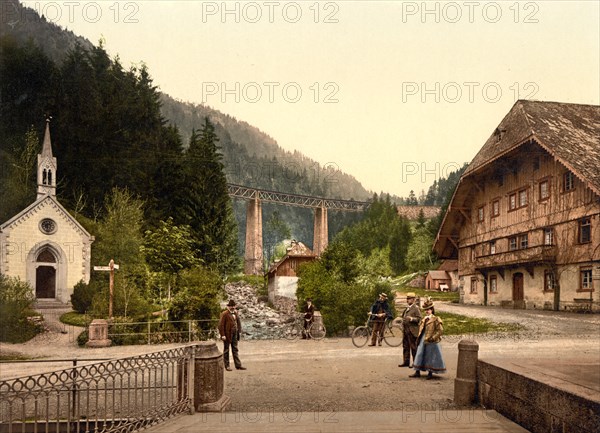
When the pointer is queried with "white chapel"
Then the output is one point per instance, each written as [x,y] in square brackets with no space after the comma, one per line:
[43,244]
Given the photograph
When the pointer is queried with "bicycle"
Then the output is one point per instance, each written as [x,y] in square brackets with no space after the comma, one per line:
[316,330]
[393,332]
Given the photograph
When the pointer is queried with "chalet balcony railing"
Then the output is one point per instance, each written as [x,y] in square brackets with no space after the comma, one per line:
[524,256]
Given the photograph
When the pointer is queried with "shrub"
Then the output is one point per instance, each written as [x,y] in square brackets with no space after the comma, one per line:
[129,298]
[75,319]
[83,295]
[124,331]
[82,338]
[16,301]
[197,295]
[343,286]
[343,302]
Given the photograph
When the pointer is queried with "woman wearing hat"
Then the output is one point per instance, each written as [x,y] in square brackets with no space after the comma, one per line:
[429,356]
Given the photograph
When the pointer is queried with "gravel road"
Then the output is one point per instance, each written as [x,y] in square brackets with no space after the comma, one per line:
[333,375]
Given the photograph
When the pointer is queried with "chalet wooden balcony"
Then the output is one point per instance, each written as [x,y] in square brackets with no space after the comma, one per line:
[523,257]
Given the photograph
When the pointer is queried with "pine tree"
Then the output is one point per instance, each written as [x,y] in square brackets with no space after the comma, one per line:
[412,199]
[207,208]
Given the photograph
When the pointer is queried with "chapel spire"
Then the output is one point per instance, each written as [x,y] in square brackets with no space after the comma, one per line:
[47,146]
[46,172]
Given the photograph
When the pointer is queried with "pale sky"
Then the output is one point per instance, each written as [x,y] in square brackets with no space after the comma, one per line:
[394,93]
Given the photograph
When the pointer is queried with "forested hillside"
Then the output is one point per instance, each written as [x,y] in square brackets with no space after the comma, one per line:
[111,127]
[94,102]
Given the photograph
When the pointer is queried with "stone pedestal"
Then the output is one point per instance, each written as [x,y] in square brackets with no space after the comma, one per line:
[209,380]
[465,383]
[98,334]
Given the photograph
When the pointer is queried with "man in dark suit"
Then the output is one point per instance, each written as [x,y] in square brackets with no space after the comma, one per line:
[230,327]
[411,317]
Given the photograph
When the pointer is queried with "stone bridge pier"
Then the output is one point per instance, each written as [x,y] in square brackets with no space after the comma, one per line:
[253,253]
[253,256]
[321,231]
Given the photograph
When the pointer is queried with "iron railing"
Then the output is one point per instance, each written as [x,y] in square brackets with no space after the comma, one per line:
[165,331]
[119,395]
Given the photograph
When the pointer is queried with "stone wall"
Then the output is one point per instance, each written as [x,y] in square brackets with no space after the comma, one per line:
[535,402]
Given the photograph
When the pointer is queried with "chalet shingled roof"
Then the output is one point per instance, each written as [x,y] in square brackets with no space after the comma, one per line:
[298,249]
[569,132]
[448,265]
[438,275]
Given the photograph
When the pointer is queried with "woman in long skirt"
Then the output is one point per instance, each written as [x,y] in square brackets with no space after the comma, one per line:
[429,356]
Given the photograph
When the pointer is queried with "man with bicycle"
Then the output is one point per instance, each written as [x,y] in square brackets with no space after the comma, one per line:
[380,312]
[309,312]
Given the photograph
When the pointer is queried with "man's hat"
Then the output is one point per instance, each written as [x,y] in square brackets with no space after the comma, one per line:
[383,294]
[411,295]
[231,303]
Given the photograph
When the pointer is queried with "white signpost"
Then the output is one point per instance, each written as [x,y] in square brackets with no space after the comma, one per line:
[110,268]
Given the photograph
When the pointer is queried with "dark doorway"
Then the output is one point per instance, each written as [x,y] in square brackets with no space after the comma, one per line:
[45,282]
[518,295]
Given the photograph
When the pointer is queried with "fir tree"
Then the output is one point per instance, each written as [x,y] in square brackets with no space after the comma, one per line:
[207,208]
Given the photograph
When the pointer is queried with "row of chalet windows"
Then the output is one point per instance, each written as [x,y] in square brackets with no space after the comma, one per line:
[521,241]
[585,281]
[520,198]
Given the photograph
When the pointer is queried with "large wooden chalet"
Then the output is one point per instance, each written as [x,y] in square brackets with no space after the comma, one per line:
[524,220]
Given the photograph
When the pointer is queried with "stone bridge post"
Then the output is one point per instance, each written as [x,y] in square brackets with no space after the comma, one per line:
[253,256]
[465,384]
[321,233]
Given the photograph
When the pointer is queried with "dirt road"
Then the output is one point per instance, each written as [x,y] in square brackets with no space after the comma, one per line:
[333,375]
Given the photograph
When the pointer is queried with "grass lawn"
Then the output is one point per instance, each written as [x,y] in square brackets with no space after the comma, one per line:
[76,319]
[455,324]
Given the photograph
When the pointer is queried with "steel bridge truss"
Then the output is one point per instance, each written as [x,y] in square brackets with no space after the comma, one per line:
[298,200]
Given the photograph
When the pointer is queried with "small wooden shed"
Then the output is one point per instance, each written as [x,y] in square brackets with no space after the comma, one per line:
[282,278]
[435,279]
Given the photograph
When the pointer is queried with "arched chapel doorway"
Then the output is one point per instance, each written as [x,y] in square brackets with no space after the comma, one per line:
[45,274]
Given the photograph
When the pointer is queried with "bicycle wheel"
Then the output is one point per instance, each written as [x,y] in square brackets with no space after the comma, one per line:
[360,336]
[393,333]
[294,332]
[317,331]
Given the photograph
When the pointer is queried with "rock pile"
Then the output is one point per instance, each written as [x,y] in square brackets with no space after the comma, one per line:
[259,320]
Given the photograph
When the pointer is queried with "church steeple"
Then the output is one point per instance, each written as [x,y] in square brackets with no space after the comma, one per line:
[46,172]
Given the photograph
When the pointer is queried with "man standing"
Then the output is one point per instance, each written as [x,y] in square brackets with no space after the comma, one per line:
[380,311]
[230,327]
[411,317]
[309,312]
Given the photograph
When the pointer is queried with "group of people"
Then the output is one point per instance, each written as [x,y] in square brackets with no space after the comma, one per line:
[421,335]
